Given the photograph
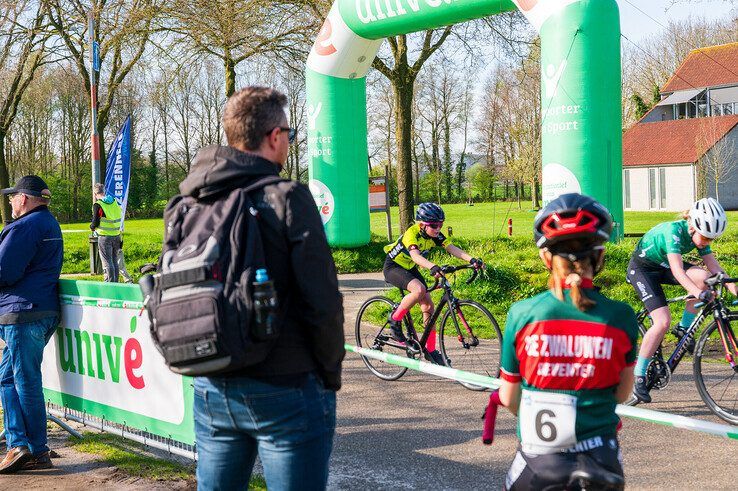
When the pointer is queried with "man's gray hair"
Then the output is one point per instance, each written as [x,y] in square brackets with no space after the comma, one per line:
[98,189]
[251,113]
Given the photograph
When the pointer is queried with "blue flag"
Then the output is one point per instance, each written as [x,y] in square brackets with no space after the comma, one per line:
[118,168]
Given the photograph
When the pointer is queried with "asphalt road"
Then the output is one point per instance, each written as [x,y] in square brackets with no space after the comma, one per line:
[423,432]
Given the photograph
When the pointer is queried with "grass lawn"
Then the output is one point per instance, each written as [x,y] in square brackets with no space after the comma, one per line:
[515,271]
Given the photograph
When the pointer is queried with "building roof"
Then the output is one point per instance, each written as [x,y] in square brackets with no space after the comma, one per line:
[706,67]
[676,141]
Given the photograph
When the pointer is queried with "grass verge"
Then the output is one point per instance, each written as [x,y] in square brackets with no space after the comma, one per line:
[129,457]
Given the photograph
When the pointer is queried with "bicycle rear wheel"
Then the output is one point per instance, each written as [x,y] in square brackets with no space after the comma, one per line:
[716,380]
[372,331]
[471,339]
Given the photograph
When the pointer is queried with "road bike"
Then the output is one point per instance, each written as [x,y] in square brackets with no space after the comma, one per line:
[715,359]
[469,337]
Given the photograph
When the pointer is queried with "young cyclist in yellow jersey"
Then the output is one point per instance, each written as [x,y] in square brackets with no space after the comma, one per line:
[401,269]
[657,260]
[568,356]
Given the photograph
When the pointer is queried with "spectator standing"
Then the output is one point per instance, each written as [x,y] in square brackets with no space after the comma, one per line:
[31,252]
[284,408]
[106,219]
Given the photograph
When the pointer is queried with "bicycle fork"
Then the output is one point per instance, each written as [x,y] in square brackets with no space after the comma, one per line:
[727,334]
[474,340]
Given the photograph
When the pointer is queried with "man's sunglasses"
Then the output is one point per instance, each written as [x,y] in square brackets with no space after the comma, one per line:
[292,132]
[433,225]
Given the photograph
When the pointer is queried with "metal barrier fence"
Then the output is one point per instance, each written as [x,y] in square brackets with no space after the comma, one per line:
[146,439]
[649,415]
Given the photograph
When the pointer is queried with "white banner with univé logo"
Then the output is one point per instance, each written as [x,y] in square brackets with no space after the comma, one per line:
[102,361]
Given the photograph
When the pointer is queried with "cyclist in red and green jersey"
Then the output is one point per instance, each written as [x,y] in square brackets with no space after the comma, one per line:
[567,354]
[657,260]
[401,269]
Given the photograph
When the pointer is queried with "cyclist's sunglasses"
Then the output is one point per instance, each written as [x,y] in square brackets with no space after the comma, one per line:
[433,225]
[292,132]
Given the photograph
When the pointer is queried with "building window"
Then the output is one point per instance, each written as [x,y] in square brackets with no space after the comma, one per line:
[662,188]
[652,188]
[626,187]
[728,109]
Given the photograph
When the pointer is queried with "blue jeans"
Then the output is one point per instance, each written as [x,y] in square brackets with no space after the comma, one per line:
[21,393]
[291,428]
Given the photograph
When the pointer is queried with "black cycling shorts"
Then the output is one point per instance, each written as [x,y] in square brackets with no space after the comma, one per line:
[646,279]
[396,275]
[554,470]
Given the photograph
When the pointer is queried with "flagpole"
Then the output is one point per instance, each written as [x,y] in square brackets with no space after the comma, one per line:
[93,100]
[95,143]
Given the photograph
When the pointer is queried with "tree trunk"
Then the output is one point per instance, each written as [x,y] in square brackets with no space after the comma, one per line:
[403,129]
[535,198]
[230,74]
[4,181]
[448,168]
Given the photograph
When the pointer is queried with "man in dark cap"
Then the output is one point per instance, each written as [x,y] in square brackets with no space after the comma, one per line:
[31,251]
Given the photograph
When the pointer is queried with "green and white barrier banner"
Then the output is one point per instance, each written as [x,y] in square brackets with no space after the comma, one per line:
[102,361]
[657,417]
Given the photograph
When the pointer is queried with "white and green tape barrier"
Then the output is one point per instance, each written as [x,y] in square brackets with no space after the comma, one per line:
[580,98]
[649,415]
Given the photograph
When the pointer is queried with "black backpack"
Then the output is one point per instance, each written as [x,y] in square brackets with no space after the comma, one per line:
[200,306]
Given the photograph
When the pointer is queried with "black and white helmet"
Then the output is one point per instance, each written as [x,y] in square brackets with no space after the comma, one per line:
[708,218]
[429,212]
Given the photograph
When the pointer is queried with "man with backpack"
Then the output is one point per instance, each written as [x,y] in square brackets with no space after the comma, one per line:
[282,408]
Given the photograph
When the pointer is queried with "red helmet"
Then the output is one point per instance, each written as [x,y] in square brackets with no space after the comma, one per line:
[572,216]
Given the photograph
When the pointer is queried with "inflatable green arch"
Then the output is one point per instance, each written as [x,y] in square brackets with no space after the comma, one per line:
[580,93]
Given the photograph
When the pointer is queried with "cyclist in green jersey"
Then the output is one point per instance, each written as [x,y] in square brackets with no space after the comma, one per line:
[568,355]
[401,269]
[657,260]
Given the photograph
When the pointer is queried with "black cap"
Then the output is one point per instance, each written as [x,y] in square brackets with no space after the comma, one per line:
[31,186]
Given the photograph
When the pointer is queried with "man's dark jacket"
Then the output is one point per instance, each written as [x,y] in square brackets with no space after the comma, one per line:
[31,254]
[298,260]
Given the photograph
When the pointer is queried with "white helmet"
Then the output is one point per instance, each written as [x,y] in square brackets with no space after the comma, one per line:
[708,218]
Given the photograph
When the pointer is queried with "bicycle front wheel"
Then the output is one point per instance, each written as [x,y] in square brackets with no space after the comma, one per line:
[372,332]
[470,340]
[717,381]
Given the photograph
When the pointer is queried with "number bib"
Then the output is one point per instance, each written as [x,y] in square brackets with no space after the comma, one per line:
[547,421]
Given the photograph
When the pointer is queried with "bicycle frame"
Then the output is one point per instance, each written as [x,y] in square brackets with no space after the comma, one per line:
[717,308]
[448,299]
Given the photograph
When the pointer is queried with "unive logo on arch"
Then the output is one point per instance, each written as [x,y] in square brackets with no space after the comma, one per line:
[324,200]
[370,11]
[526,5]
[323,45]
[538,11]
[558,180]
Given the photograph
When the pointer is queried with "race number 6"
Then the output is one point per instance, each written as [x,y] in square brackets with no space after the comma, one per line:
[550,432]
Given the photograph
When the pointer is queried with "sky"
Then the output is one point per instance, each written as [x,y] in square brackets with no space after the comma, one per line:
[637,26]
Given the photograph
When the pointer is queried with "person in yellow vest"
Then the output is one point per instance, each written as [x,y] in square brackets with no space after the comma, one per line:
[106,220]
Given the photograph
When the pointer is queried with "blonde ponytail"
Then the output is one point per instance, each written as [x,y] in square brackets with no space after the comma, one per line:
[566,272]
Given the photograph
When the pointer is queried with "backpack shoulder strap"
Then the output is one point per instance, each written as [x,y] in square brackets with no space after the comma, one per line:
[264,181]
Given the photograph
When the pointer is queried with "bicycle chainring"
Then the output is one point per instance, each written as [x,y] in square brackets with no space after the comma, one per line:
[659,374]
[413,348]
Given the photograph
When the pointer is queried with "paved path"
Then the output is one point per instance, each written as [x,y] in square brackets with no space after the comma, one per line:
[424,432]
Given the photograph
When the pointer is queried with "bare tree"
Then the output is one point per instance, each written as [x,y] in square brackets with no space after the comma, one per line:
[123,29]
[235,30]
[21,53]
[402,74]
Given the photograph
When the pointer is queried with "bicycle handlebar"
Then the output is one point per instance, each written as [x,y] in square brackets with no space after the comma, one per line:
[448,269]
[719,279]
